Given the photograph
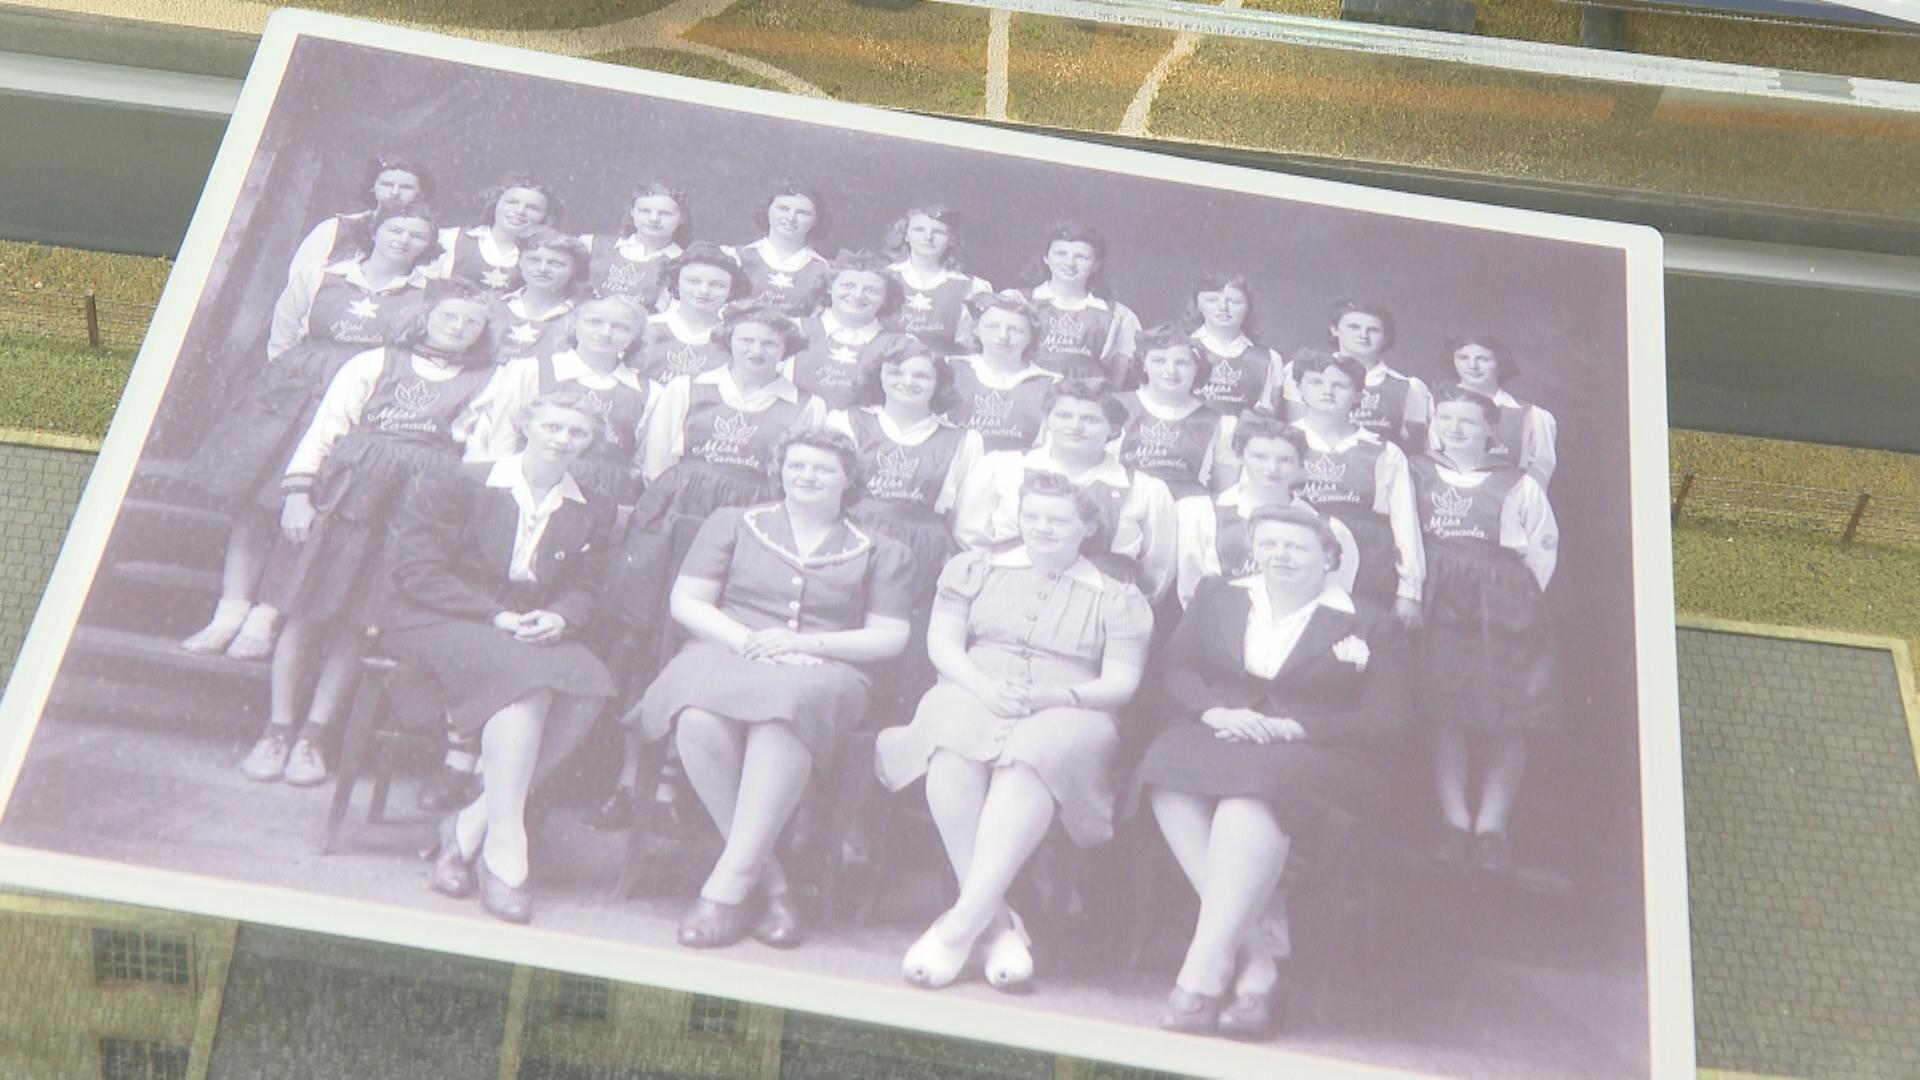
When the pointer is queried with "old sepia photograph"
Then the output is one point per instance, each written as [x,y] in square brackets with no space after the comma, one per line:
[932,574]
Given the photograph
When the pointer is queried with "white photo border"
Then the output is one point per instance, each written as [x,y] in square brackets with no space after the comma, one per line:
[1669,989]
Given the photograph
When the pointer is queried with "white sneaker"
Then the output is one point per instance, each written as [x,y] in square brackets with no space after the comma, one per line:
[305,766]
[268,758]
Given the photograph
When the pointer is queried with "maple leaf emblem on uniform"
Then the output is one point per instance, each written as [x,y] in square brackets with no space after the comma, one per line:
[992,406]
[1158,435]
[895,463]
[524,334]
[1451,502]
[1369,401]
[416,396]
[1325,469]
[1066,326]
[844,354]
[603,406]
[683,361]
[494,278]
[919,301]
[734,428]
[780,279]
[364,308]
[1225,374]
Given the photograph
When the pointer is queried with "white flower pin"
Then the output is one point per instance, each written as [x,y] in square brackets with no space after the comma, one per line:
[1352,650]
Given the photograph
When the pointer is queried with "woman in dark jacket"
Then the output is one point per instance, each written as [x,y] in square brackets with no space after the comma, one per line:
[1278,691]
[495,578]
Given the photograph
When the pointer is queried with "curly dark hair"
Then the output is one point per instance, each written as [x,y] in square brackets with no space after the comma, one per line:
[865,262]
[488,201]
[650,188]
[1509,367]
[895,244]
[833,442]
[871,392]
[1304,518]
[1220,281]
[1170,336]
[770,317]
[822,220]
[703,253]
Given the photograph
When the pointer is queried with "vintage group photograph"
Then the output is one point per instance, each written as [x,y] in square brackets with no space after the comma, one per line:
[883,566]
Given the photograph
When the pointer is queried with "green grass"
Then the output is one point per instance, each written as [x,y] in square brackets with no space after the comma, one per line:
[61,388]
[493,14]
[679,63]
[924,56]
[1069,74]
[131,279]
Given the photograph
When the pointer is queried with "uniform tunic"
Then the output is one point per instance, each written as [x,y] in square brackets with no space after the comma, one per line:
[935,311]
[474,255]
[913,477]
[837,358]
[1525,436]
[1049,629]
[1007,412]
[317,327]
[1362,480]
[1486,657]
[670,349]
[1213,543]
[339,238]
[795,285]
[1178,449]
[389,416]
[1244,374]
[518,331]
[621,264]
[610,468]
[1139,522]
[1394,406]
[766,582]
[1090,338]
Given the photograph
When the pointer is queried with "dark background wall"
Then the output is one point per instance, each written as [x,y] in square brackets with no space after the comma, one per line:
[1561,305]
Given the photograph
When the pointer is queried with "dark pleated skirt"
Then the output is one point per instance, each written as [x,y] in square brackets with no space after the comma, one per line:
[1485,659]
[244,455]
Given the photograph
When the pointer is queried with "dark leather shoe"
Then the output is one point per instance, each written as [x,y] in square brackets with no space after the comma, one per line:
[451,873]
[508,903]
[710,924]
[1191,1013]
[1248,1016]
[779,924]
[448,789]
[1491,853]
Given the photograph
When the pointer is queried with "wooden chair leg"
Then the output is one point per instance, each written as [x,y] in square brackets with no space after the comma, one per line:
[382,784]
[632,864]
[369,700]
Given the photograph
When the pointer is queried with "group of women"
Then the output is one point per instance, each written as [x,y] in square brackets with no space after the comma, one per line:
[874,491]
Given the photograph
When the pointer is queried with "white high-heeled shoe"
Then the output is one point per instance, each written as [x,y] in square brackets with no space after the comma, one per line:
[930,965]
[1009,965]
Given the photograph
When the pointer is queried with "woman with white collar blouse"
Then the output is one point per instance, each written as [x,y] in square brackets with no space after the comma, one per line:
[495,573]
[488,254]
[850,334]
[1037,651]
[1276,692]
[1138,523]
[1081,333]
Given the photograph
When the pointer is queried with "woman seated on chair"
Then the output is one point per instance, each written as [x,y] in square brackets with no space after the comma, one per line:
[784,603]
[494,578]
[1037,650]
[1276,691]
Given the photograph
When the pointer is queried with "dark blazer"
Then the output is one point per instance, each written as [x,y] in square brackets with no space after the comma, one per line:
[1336,702]
[453,542]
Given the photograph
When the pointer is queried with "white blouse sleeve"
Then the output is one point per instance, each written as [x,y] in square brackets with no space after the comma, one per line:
[1122,334]
[1393,496]
[1349,567]
[516,384]
[1419,404]
[666,437]
[339,410]
[980,517]
[1538,455]
[965,463]
[1198,554]
[839,421]
[1156,547]
[467,428]
[289,326]
[310,258]
[1527,526]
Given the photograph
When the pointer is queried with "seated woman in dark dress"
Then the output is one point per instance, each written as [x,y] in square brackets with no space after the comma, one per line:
[494,578]
[784,604]
[1276,690]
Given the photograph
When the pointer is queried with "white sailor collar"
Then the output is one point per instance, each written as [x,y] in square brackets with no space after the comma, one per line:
[1458,477]
[510,475]
[516,303]
[904,268]
[1331,596]
[1315,442]
[1110,471]
[1081,571]
[848,335]
[1232,350]
[631,243]
[922,429]
[797,261]
[781,387]
[490,248]
[1044,292]
[991,379]
[569,366]
[769,524]
[1378,373]
[354,272]
[676,325]
[1160,412]
[1234,498]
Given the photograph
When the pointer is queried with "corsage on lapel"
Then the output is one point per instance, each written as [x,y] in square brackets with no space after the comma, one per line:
[1352,650]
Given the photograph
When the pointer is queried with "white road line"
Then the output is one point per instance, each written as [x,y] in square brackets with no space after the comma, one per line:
[999,45]
[1135,120]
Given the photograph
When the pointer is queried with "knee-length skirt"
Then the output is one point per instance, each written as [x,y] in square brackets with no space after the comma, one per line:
[1299,781]
[482,669]
[1485,659]
[245,453]
[817,701]
[1073,751]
